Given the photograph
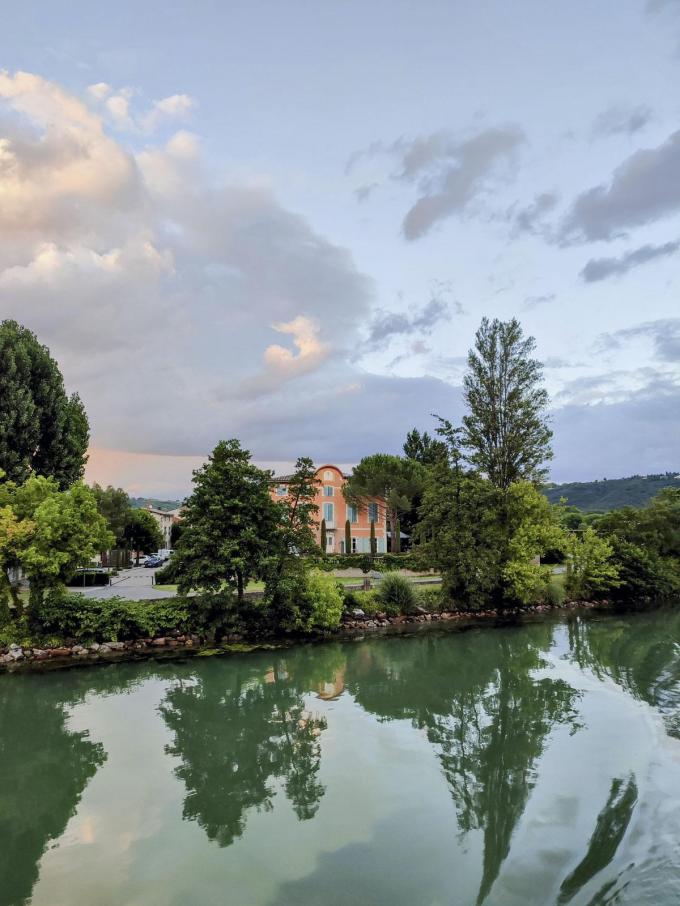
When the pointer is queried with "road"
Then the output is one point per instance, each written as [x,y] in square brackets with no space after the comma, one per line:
[134,584]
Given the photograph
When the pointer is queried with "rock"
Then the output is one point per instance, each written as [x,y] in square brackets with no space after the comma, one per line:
[95,646]
[159,643]
[116,646]
[60,652]
[104,649]
[6,658]
[79,649]
[358,613]
[40,654]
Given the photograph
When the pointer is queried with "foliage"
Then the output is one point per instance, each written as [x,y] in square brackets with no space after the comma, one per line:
[373,543]
[323,543]
[396,594]
[49,533]
[142,532]
[348,537]
[229,526]
[175,533]
[42,430]
[74,616]
[591,572]
[394,479]
[309,601]
[431,598]
[424,449]
[505,432]
[114,505]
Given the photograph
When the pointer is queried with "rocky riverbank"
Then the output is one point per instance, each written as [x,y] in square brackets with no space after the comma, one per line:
[18,657]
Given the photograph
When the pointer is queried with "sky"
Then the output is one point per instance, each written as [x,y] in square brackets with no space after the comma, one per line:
[283,220]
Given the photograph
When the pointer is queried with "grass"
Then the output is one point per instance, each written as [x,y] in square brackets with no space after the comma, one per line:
[344,580]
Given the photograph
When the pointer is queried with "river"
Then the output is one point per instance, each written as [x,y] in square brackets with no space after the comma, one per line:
[529,764]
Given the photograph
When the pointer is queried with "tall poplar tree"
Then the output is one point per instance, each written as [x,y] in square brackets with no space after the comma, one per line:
[505,434]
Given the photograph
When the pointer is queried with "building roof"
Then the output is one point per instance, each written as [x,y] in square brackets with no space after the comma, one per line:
[282,479]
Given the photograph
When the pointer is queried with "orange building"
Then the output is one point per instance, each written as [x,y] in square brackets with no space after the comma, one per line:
[336,511]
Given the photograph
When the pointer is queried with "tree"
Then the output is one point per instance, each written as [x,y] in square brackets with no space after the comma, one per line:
[229,528]
[394,479]
[591,571]
[286,588]
[348,537]
[324,539]
[373,542]
[114,505]
[55,532]
[142,532]
[42,430]
[505,433]
[424,449]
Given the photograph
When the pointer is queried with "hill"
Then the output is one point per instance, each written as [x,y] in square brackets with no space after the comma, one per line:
[612,493]
[139,503]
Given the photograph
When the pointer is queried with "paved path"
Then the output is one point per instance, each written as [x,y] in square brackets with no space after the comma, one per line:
[134,584]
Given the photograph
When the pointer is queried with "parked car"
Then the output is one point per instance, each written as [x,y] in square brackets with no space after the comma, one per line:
[152,562]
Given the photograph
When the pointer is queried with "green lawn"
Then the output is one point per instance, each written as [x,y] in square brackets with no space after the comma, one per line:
[344,580]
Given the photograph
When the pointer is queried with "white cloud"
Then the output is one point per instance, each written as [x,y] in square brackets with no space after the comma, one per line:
[175,107]
[99,91]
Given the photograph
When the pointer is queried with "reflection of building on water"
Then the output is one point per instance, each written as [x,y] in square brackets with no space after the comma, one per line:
[329,691]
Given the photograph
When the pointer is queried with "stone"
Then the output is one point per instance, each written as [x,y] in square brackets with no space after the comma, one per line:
[104,649]
[60,652]
[95,646]
[16,653]
[40,654]
[116,646]
[159,643]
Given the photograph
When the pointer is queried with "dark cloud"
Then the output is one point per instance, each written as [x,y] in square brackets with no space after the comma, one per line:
[531,219]
[387,325]
[664,334]
[644,188]
[451,173]
[622,120]
[640,434]
[448,171]
[363,192]
[601,268]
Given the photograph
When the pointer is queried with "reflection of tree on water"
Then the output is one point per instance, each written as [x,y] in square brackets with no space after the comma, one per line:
[44,768]
[610,828]
[484,710]
[238,726]
[637,654]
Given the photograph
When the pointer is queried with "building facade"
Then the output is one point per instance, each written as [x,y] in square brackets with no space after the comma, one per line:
[165,520]
[334,509]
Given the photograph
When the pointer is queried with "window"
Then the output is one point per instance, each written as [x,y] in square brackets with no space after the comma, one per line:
[328,475]
[373,512]
[281,490]
[380,545]
[328,511]
[352,512]
[354,545]
[328,490]
[329,542]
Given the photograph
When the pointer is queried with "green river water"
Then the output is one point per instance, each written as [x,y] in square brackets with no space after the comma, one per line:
[530,764]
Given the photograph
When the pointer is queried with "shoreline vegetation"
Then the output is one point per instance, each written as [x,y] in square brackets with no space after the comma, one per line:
[468,499]
[177,645]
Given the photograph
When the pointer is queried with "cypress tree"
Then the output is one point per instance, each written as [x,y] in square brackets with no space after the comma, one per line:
[348,537]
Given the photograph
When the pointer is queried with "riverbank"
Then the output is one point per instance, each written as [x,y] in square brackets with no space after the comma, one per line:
[181,645]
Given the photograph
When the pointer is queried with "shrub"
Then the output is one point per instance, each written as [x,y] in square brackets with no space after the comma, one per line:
[112,619]
[396,594]
[430,597]
[327,601]
[166,574]
[556,594]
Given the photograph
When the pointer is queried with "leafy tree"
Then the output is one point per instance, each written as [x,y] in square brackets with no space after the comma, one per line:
[424,449]
[42,430]
[348,537]
[53,532]
[324,539]
[590,569]
[175,533]
[142,532]
[229,528]
[505,433]
[395,479]
[114,505]
[286,587]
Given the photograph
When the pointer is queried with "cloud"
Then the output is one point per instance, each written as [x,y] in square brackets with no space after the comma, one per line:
[622,120]
[449,172]
[387,325]
[99,91]
[535,301]
[601,268]
[281,364]
[531,219]
[363,192]
[664,334]
[174,107]
[644,188]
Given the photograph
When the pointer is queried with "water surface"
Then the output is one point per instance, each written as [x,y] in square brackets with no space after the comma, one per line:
[533,764]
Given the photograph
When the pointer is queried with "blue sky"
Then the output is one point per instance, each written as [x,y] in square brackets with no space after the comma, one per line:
[284,221]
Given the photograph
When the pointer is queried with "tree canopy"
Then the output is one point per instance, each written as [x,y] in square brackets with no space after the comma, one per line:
[42,430]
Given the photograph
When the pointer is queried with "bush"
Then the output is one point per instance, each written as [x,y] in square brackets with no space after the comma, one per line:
[396,594]
[556,594]
[112,619]
[166,574]
[430,597]
[327,601]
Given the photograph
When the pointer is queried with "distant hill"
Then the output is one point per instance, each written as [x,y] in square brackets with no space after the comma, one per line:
[612,493]
[139,503]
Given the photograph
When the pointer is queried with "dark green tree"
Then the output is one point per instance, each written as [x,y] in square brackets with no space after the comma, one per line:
[324,538]
[423,448]
[348,537]
[373,541]
[42,430]
[229,529]
[142,533]
[395,479]
[505,433]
